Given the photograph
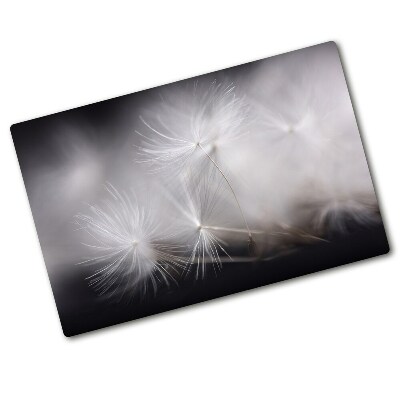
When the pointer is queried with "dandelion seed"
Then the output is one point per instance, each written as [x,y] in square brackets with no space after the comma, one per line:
[213,117]
[338,215]
[202,225]
[131,253]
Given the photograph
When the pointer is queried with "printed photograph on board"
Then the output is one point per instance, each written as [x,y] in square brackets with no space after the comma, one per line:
[200,188]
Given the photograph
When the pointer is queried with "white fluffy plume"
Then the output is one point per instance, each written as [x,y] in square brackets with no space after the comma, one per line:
[190,122]
[203,211]
[131,251]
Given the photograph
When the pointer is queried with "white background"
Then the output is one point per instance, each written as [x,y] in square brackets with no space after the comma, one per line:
[332,335]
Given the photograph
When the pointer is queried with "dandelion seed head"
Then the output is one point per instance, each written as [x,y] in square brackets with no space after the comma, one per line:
[130,250]
[203,221]
[207,116]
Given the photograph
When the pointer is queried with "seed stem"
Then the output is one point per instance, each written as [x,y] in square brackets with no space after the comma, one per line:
[231,188]
[233,230]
